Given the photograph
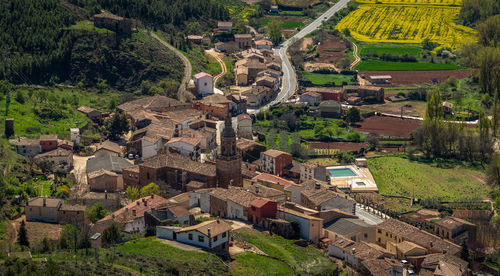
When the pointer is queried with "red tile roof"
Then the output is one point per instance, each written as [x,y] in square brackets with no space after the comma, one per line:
[202,74]
[274,179]
[260,202]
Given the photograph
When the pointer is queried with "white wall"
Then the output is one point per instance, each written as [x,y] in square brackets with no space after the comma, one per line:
[205,86]
[235,211]
[183,148]
[137,225]
[184,238]
[335,252]
[245,128]
[200,199]
[148,149]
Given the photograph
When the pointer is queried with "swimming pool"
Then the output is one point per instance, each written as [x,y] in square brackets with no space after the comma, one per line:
[342,172]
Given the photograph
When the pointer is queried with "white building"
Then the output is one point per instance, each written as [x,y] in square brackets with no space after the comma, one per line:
[200,198]
[75,136]
[213,234]
[245,126]
[186,146]
[150,146]
[204,83]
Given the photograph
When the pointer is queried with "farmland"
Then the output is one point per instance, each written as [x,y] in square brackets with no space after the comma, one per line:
[401,176]
[414,2]
[322,79]
[389,48]
[253,264]
[379,65]
[406,24]
[389,126]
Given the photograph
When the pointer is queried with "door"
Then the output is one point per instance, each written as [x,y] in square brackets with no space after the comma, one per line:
[174,236]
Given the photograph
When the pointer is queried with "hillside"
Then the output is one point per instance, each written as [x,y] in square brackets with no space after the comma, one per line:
[50,41]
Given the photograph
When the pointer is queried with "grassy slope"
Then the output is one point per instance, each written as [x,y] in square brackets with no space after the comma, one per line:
[256,265]
[186,261]
[380,65]
[308,261]
[27,123]
[400,176]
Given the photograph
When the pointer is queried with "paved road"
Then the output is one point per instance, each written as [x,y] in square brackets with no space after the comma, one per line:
[187,67]
[289,79]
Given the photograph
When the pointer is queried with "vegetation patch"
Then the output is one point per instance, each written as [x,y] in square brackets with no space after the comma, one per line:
[253,264]
[307,260]
[332,79]
[398,175]
[380,65]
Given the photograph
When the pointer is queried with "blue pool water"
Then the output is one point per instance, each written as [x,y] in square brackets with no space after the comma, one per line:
[341,172]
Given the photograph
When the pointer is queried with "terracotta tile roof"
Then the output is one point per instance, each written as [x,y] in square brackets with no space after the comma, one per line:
[452,222]
[179,162]
[274,179]
[263,42]
[407,246]
[72,207]
[59,152]
[178,211]
[187,140]
[225,24]
[379,267]
[246,144]
[100,173]
[260,202]
[201,75]
[448,269]
[179,199]
[85,109]
[140,206]
[318,192]
[27,142]
[111,146]
[346,226]
[244,117]
[420,237]
[215,99]
[48,137]
[215,227]
[274,153]
[242,36]
[50,202]
[154,103]
[236,195]
[134,168]
[299,214]
[196,185]
[263,191]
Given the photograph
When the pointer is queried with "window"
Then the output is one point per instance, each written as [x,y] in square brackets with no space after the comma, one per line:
[224,234]
[365,235]
[215,238]
[386,234]
[379,231]
[147,175]
[190,236]
[379,240]
[201,238]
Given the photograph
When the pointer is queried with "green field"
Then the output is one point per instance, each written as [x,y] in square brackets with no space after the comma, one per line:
[285,23]
[256,265]
[322,79]
[380,65]
[307,261]
[59,105]
[389,48]
[400,176]
[89,26]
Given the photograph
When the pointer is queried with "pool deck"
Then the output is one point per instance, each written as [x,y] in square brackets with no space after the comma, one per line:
[344,182]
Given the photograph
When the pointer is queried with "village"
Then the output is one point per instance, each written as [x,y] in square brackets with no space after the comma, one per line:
[209,175]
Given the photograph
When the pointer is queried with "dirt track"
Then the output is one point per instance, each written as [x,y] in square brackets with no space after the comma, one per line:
[216,55]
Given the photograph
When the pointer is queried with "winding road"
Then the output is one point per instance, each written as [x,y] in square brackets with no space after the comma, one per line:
[187,66]
[215,55]
[289,85]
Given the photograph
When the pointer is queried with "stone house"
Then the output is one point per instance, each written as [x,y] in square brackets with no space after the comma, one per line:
[318,196]
[103,180]
[72,214]
[59,158]
[204,83]
[244,41]
[93,114]
[262,208]
[245,126]
[307,171]
[28,147]
[311,98]
[48,142]
[131,177]
[310,227]
[213,234]
[351,228]
[113,164]
[329,94]
[330,109]
[110,201]
[225,26]
[185,146]
[455,229]
[263,44]
[200,198]
[366,93]
[257,95]
[107,148]
[43,209]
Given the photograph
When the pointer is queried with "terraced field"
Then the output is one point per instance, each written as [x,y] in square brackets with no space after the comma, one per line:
[405,23]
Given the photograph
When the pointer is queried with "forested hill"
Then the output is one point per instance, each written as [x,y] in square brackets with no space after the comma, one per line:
[160,12]
[48,41]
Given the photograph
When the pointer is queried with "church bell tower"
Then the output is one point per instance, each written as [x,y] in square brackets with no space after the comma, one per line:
[228,166]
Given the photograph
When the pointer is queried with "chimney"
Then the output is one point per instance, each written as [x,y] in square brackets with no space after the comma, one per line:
[44,202]
[105,194]
[133,212]
[152,196]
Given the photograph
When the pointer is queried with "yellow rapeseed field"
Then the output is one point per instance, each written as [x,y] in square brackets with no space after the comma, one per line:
[414,2]
[407,24]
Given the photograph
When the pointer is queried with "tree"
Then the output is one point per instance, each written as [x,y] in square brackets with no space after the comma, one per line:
[489,32]
[353,115]
[489,69]
[45,246]
[193,28]
[428,45]
[84,240]
[69,237]
[434,107]
[372,141]
[275,32]
[22,235]
[132,192]
[117,126]
[150,189]
[464,252]
[101,85]
[111,235]
[493,171]
[96,212]
[485,139]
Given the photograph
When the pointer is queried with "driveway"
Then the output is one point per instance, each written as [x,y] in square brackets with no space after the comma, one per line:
[80,173]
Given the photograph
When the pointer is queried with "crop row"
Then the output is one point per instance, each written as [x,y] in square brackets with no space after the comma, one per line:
[414,2]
